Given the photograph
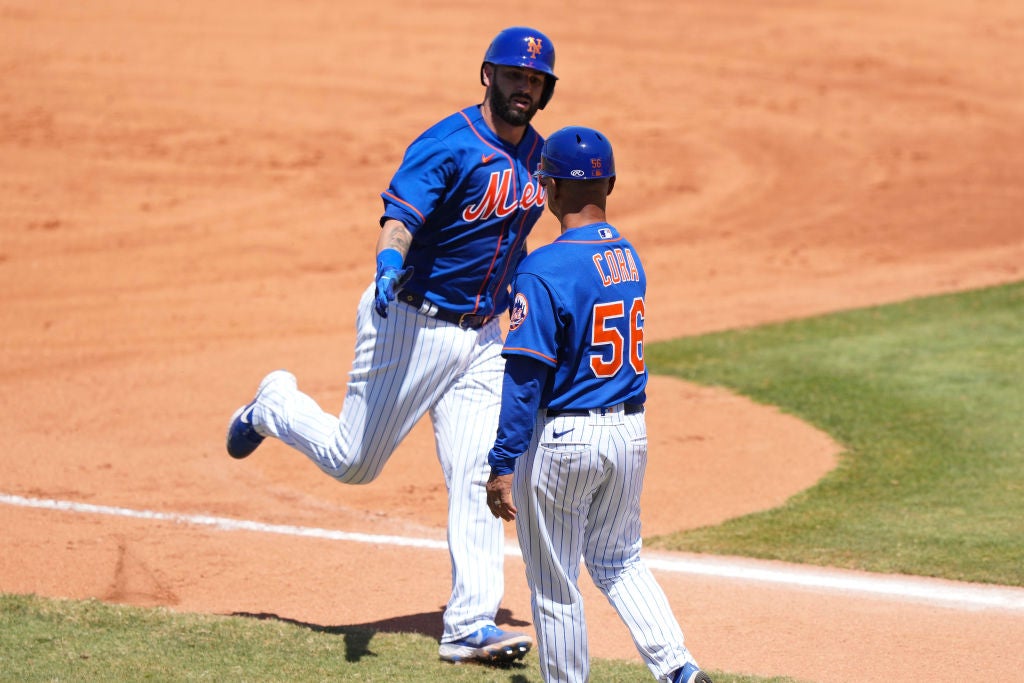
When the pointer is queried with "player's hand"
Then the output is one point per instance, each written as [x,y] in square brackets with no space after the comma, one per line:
[389,283]
[499,497]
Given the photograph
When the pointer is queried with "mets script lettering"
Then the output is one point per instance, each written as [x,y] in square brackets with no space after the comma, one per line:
[499,199]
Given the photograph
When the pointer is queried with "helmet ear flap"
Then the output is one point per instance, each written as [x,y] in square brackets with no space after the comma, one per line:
[549,90]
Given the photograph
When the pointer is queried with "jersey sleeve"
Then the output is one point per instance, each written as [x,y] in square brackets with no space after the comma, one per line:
[534,321]
[520,401]
[419,183]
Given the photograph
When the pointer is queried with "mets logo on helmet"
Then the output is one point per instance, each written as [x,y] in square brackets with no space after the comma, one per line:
[534,46]
[517,314]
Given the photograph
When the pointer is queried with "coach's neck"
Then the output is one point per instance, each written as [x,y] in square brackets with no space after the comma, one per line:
[576,203]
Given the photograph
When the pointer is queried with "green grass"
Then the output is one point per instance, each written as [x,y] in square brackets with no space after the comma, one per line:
[64,640]
[927,397]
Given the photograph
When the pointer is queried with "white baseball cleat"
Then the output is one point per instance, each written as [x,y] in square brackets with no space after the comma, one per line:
[488,644]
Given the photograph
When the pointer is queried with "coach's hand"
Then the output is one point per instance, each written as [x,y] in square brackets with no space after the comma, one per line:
[499,496]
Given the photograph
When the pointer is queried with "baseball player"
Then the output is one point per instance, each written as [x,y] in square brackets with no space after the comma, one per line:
[456,217]
[571,447]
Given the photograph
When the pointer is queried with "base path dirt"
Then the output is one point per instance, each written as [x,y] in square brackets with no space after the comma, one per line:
[189,197]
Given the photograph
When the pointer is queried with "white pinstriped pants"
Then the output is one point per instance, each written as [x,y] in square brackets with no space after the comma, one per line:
[406,365]
[578,497]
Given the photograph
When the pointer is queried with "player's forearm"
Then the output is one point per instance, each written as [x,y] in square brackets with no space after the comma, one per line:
[394,235]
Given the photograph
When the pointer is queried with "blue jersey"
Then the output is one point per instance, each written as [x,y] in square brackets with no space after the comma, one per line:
[470,200]
[585,322]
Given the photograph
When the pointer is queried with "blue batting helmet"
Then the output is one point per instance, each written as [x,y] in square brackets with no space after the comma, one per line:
[527,48]
[576,153]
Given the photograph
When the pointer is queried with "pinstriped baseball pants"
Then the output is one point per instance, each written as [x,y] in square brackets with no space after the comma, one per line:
[405,366]
[578,497]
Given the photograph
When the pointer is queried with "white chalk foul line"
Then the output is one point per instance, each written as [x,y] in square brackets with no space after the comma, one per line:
[932,591]
[916,589]
[221,523]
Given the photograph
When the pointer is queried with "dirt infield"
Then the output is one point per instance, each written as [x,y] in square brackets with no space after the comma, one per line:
[189,199]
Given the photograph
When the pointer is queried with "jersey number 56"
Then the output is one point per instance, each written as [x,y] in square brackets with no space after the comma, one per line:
[605,332]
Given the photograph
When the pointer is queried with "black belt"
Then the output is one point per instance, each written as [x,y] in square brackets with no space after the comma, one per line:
[629,409]
[467,321]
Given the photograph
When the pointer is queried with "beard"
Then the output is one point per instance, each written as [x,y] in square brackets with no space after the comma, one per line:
[501,105]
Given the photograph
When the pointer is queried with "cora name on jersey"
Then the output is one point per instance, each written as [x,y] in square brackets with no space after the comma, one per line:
[499,200]
[615,266]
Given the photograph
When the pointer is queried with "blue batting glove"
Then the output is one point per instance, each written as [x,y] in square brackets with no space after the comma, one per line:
[389,284]
[391,277]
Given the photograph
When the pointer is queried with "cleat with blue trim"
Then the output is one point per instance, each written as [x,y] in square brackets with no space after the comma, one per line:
[242,437]
[489,644]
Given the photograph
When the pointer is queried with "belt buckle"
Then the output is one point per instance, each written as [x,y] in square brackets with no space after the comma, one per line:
[473,321]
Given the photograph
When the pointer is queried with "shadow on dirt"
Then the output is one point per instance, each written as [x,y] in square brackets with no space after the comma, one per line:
[358,636]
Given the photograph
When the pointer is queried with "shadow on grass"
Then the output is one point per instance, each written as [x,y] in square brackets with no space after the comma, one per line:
[358,636]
